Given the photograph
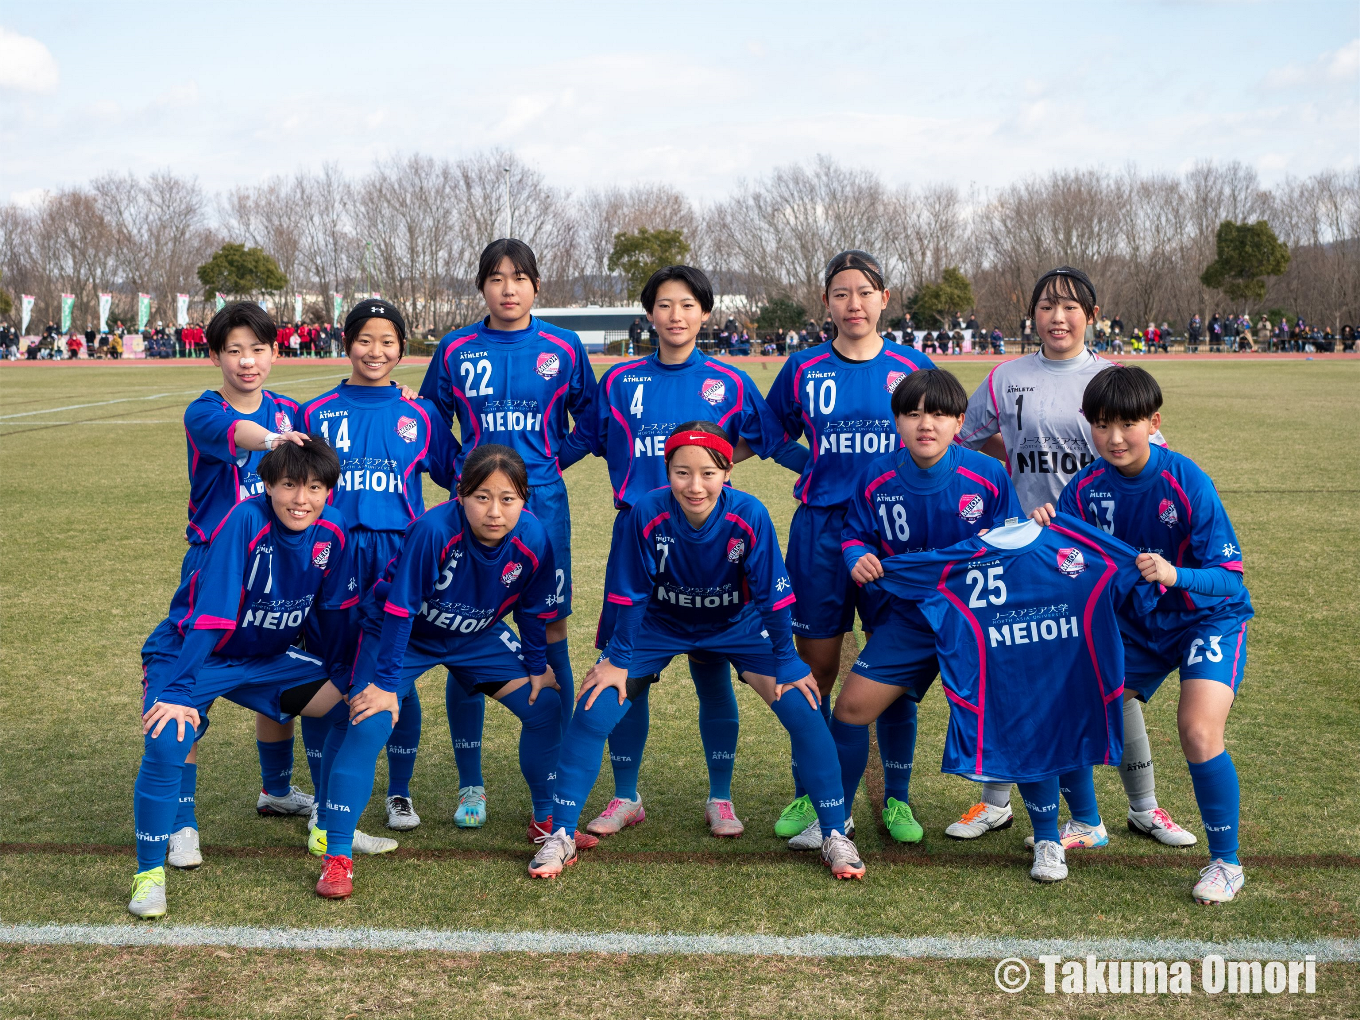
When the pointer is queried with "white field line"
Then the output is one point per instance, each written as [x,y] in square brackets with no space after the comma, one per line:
[427,940]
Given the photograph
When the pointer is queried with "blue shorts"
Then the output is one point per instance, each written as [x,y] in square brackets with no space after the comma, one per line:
[609,612]
[744,643]
[827,598]
[1210,647]
[901,652]
[483,663]
[549,504]
[256,684]
[193,559]
[372,551]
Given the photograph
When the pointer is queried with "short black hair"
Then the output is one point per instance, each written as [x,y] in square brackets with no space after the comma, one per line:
[240,313]
[1065,282]
[299,464]
[942,393]
[695,279]
[521,256]
[854,258]
[1121,393]
[485,461]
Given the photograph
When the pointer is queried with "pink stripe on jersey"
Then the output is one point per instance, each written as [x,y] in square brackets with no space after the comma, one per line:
[1179,492]
[547,415]
[911,365]
[849,542]
[618,600]
[873,486]
[193,464]
[307,411]
[979,479]
[959,701]
[443,553]
[514,540]
[254,541]
[807,421]
[1237,656]
[350,603]
[741,390]
[420,457]
[1232,565]
[396,611]
[647,528]
[334,528]
[750,531]
[453,388]
[510,602]
[609,378]
[214,623]
[571,351]
[954,600]
[787,600]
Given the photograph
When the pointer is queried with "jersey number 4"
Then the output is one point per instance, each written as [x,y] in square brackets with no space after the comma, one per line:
[341,440]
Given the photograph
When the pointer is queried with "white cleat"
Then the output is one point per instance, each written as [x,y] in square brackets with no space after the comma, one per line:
[811,837]
[401,814]
[979,820]
[1050,862]
[840,855]
[1076,835]
[183,851]
[366,844]
[618,815]
[294,802]
[1158,824]
[556,853]
[722,819]
[1219,883]
[148,893]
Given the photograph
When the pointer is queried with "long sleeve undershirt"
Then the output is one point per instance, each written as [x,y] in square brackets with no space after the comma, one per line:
[1211,581]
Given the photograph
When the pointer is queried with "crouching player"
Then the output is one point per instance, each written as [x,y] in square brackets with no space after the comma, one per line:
[1162,503]
[274,560]
[463,565]
[699,571]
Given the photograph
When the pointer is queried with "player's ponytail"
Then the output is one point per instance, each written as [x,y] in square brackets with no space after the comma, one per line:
[485,461]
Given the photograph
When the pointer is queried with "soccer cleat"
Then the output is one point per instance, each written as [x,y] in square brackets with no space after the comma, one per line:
[294,802]
[1158,824]
[811,837]
[795,818]
[1218,883]
[902,825]
[337,878]
[1050,862]
[722,821]
[557,851]
[148,893]
[539,831]
[979,820]
[183,851]
[617,816]
[1077,835]
[363,843]
[839,854]
[471,813]
[401,814]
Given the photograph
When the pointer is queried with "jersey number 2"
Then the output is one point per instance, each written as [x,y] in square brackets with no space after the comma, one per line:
[483,367]
[996,588]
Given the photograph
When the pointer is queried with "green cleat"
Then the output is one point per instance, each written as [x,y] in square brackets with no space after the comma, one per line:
[316,842]
[795,818]
[901,825]
[148,893]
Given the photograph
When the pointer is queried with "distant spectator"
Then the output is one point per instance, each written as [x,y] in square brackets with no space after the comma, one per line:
[1194,329]
[635,330]
[1348,337]
[972,324]
[1116,326]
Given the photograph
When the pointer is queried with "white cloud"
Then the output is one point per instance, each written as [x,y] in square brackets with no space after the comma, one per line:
[26,64]
[1345,63]
[1340,66]
[28,198]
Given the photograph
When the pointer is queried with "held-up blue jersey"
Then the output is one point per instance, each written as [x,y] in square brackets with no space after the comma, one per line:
[384,443]
[515,388]
[1028,643]
[446,585]
[220,475]
[845,410]
[641,402]
[1172,508]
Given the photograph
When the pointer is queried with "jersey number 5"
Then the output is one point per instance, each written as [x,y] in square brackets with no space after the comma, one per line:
[996,588]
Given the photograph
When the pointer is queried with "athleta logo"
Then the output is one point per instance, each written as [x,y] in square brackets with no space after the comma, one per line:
[1166,513]
[1071,562]
[406,428]
[511,573]
[893,379]
[713,390]
[735,547]
[970,507]
[548,365]
[321,554]
[282,423]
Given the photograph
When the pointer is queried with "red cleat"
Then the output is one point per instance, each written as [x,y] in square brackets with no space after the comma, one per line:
[539,831]
[337,878]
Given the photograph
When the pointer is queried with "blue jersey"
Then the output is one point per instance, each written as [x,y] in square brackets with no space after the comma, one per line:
[1029,645]
[384,443]
[1170,508]
[220,475]
[513,387]
[641,402]
[845,409]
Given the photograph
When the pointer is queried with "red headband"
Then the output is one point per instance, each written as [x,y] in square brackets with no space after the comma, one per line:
[705,439]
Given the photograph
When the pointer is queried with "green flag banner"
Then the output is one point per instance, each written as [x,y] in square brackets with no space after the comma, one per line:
[338,306]
[68,302]
[143,311]
[221,301]
[105,303]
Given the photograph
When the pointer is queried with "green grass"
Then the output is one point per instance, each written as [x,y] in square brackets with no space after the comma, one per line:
[90,519]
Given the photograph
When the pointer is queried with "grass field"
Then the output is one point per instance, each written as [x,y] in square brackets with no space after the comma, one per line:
[91,510]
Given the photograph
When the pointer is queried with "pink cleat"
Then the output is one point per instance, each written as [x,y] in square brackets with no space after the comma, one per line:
[617,816]
[722,820]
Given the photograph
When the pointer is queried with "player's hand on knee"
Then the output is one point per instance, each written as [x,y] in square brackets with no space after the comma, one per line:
[545,679]
[1043,515]
[1156,569]
[372,700]
[162,712]
[602,676]
[867,569]
[809,688]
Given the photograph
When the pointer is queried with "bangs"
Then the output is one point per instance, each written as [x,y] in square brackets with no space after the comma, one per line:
[933,391]
[1121,393]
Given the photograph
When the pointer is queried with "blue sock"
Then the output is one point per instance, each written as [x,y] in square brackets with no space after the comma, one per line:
[336,721]
[276,765]
[1079,790]
[719,723]
[814,748]
[467,715]
[799,790]
[852,748]
[350,783]
[578,764]
[402,746]
[1041,801]
[188,783]
[1219,797]
[626,743]
[155,794]
[559,658]
[314,731]
[897,747]
[540,740]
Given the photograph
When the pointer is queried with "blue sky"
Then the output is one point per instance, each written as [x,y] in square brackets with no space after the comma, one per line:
[698,95]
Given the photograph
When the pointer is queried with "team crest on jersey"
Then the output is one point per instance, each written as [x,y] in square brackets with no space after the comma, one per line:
[713,390]
[1071,562]
[735,547]
[511,573]
[321,554]
[282,423]
[893,379]
[1166,513]
[970,507]
[406,428]
[548,365]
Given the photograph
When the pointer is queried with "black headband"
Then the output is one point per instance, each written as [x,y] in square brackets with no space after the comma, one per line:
[848,259]
[1075,274]
[375,308]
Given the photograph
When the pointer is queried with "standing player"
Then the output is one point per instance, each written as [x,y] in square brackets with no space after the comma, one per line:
[512,378]
[385,441]
[640,403]
[1028,414]
[699,570]
[839,395]
[1163,504]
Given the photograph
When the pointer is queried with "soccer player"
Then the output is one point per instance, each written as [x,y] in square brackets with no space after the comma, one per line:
[512,378]
[639,404]
[385,441]
[1162,503]
[838,393]
[1028,414]
[464,565]
[930,494]
[699,570]
[274,560]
